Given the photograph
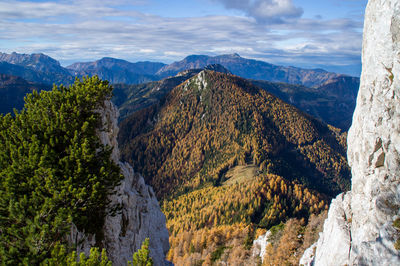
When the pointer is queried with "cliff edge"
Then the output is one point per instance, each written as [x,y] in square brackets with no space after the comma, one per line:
[140,216]
[359,229]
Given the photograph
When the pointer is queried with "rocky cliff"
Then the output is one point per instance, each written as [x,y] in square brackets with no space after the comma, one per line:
[140,216]
[359,229]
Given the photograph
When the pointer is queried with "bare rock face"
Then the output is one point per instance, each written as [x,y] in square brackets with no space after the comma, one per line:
[260,245]
[359,229]
[336,236]
[140,217]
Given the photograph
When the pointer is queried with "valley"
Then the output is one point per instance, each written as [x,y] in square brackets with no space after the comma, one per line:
[195,133]
[228,157]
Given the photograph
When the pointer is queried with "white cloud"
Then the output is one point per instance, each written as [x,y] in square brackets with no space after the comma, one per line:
[147,51]
[271,11]
[68,33]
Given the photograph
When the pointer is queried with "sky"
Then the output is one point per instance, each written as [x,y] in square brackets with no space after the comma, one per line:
[304,33]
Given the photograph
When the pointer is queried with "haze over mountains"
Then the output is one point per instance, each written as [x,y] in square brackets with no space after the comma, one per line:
[12,92]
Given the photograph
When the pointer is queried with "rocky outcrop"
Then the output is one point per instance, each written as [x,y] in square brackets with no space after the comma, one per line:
[140,216]
[359,229]
[260,245]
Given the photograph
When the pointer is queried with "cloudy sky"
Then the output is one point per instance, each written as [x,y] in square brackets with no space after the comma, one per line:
[305,33]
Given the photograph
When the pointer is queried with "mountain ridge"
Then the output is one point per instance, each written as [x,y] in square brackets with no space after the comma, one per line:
[128,72]
[48,70]
[117,70]
[252,69]
[225,158]
[13,90]
[197,108]
[333,102]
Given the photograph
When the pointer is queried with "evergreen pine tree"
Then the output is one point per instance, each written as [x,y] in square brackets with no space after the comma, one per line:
[141,257]
[53,170]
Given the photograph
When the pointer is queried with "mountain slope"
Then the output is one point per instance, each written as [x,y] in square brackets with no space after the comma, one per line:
[117,70]
[224,121]
[226,156]
[333,102]
[252,69]
[47,69]
[132,98]
[13,90]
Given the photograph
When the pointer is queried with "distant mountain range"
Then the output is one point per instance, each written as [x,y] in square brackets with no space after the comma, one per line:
[252,69]
[325,95]
[48,70]
[35,67]
[117,70]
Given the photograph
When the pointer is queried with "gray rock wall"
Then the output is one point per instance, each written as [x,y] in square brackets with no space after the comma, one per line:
[141,216]
[359,228]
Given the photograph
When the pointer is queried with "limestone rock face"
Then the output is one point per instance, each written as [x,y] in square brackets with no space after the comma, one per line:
[359,228]
[336,236]
[260,245]
[141,216]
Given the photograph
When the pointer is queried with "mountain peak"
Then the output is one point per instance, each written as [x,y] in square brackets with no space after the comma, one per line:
[47,70]
[28,59]
[194,57]
[235,55]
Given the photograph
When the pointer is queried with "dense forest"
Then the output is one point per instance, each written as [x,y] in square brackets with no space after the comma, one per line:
[225,155]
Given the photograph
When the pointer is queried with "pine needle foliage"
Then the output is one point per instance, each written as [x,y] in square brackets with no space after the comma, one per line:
[141,257]
[53,170]
[61,258]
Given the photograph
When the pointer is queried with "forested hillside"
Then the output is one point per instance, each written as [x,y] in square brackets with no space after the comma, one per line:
[54,172]
[333,102]
[13,90]
[215,121]
[132,98]
[225,155]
